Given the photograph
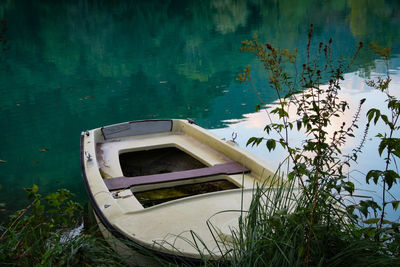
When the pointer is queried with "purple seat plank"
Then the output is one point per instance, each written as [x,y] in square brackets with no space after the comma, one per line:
[219,169]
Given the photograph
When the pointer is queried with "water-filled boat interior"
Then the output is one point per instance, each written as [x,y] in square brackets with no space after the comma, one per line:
[168,160]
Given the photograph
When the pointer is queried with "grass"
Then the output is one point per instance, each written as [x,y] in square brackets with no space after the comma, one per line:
[274,231]
[42,234]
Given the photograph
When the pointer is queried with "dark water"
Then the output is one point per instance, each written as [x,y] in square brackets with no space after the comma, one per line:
[76,65]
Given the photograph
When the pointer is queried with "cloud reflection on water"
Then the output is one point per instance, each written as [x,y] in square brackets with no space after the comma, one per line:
[354,89]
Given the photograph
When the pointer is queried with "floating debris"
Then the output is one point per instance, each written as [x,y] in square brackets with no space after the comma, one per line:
[86,97]
[225,91]
[163,82]
[35,162]
[43,149]
[2,161]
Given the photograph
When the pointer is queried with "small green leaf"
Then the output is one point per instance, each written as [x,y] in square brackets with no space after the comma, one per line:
[388,222]
[378,114]
[363,209]
[364,205]
[35,188]
[396,148]
[370,115]
[349,187]
[375,174]
[373,112]
[250,141]
[371,221]
[267,129]
[390,177]
[350,209]
[298,125]
[395,204]
[385,119]
[382,145]
[271,144]
[254,141]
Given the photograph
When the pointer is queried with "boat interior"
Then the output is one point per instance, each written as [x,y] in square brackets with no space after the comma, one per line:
[164,166]
[168,160]
[156,161]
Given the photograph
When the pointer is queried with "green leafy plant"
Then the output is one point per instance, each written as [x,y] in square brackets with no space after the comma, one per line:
[389,148]
[42,234]
[308,101]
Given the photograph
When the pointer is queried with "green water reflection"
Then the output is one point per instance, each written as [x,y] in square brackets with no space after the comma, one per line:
[76,65]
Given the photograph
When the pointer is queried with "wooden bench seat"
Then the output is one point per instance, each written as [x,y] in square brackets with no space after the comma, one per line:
[218,169]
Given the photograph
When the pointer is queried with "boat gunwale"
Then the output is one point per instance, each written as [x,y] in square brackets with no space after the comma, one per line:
[128,123]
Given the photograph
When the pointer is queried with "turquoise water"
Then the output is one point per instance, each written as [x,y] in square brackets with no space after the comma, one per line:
[77,65]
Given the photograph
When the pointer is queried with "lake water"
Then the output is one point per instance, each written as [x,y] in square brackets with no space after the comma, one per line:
[77,65]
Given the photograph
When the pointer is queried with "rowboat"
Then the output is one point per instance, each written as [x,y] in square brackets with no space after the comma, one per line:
[161,183]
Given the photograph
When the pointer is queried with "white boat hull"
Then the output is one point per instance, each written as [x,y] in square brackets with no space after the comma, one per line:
[168,228]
